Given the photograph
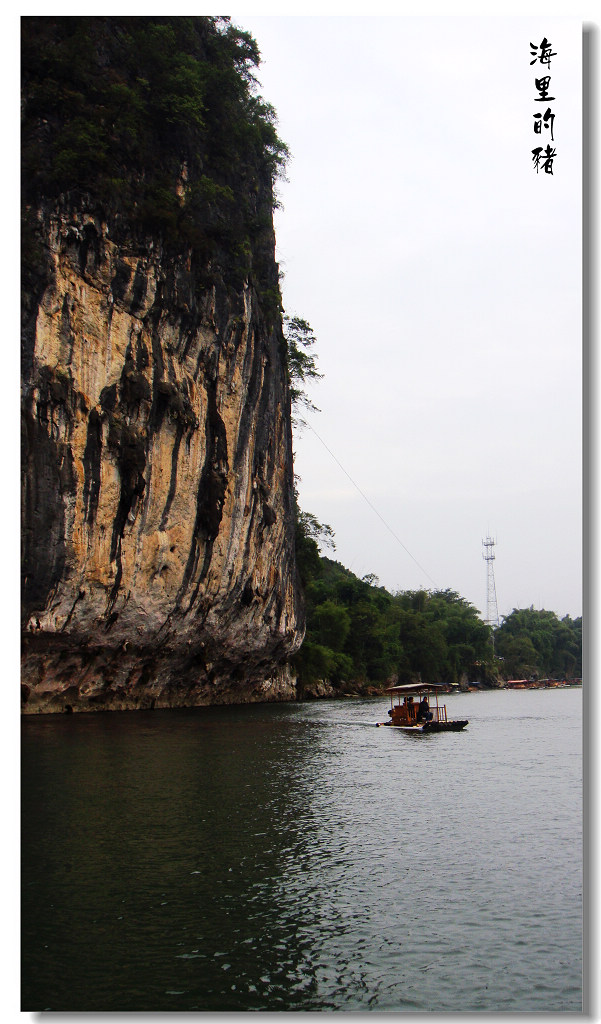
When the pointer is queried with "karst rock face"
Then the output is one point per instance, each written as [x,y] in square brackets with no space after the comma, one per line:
[158,523]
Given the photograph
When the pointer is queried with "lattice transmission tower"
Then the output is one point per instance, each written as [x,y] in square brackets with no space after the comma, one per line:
[492,612]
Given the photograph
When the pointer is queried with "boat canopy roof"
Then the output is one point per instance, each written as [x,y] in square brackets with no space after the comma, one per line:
[416,688]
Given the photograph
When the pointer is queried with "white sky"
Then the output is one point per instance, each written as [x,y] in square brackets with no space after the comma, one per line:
[442,278]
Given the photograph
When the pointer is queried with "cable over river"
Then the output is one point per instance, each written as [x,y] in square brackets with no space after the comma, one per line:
[294,857]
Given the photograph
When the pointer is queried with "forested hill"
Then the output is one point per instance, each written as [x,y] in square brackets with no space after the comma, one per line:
[361,637]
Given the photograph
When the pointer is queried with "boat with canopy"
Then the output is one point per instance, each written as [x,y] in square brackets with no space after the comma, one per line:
[419,716]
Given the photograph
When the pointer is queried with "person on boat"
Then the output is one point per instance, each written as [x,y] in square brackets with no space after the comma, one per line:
[423,712]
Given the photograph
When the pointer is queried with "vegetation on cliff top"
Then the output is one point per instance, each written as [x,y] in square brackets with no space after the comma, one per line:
[156,119]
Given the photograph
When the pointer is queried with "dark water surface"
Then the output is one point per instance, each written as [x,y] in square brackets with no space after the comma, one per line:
[294,857]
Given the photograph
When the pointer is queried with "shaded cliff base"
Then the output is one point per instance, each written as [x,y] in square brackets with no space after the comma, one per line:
[63,680]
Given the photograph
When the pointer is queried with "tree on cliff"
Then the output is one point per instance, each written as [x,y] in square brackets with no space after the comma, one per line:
[302,369]
[302,363]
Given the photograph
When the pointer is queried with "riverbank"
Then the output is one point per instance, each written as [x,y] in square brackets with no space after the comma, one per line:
[475,687]
[538,684]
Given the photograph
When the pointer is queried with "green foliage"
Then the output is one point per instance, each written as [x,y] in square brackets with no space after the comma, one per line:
[538,643]
[443,638]
[156,119]
[302,366]
[352,619]
[331,623]
[424,648]
[309,533]
[315,661]
[360,635]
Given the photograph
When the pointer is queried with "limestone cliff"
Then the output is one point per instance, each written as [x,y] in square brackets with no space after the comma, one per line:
[158,526]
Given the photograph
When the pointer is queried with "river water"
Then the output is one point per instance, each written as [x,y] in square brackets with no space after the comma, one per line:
[294,857]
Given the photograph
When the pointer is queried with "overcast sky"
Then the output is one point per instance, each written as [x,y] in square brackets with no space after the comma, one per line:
[442,277]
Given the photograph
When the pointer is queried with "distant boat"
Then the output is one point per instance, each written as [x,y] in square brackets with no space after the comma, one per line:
[411,716]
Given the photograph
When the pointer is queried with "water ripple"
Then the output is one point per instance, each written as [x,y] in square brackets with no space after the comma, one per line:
[267,859]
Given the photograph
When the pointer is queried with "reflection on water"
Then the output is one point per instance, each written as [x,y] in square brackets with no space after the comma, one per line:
[293,857]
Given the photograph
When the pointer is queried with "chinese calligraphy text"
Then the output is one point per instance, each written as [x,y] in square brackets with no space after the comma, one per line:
[543,156]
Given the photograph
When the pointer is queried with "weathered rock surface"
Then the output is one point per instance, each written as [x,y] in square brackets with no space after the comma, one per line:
[316,689]
[158,534]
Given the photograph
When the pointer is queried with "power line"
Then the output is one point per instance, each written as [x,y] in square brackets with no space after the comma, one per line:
[372,507]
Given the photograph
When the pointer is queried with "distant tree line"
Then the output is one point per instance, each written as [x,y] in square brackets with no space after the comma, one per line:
[360,636]
[538,643]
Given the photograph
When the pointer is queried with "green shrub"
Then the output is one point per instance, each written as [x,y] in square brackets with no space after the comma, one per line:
[117,107]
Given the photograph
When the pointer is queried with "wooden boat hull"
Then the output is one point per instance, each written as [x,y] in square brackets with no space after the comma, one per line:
[451,726]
